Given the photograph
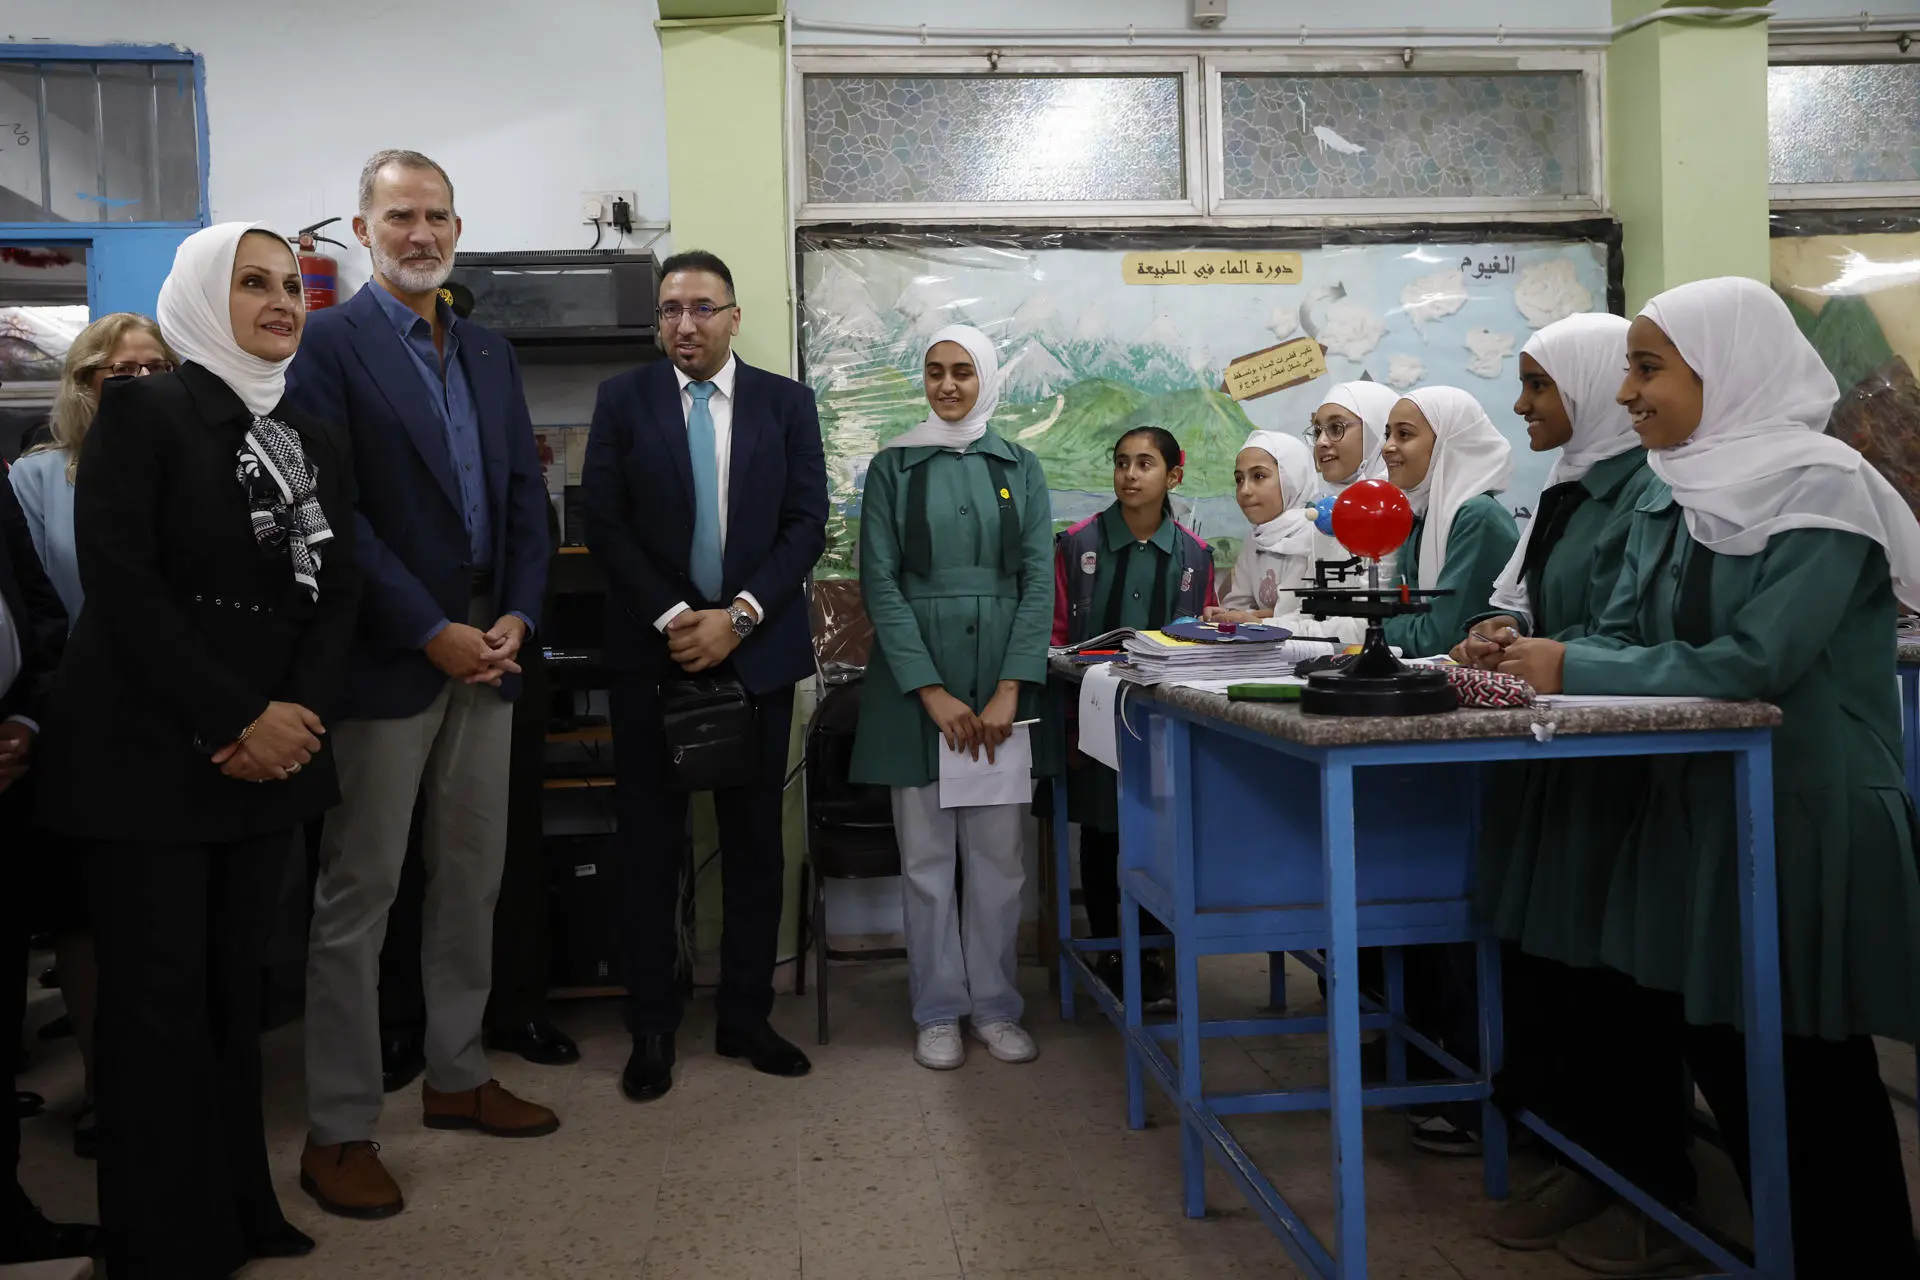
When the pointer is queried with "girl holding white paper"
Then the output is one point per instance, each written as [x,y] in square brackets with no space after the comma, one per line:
[955,544]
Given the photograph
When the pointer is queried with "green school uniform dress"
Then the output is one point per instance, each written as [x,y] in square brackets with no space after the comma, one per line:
[1552,830]
[1806,624]
[1478,548]
[960,593]
[1093,793]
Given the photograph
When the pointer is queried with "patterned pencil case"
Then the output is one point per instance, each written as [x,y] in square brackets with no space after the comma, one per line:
[1477,688]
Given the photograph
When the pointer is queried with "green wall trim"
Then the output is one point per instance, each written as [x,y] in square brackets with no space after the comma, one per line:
[669,24]
[678,9]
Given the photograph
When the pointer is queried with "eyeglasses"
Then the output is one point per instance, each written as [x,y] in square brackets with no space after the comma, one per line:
[700,311]
[1333,432]
[135,369]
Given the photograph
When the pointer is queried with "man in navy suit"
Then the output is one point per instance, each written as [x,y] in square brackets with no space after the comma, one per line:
[452,527]
[706,504]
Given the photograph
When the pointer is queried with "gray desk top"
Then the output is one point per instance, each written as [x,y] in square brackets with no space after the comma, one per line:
[1285,719]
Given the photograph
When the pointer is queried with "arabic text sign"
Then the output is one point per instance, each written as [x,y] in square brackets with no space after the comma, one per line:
[1276,369]
[1211,268]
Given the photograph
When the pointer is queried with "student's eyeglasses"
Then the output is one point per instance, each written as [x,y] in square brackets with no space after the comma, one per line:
[1333,432]
[137,369]
[700,311]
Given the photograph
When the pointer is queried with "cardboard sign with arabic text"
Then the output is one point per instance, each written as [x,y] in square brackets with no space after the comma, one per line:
[1275,369]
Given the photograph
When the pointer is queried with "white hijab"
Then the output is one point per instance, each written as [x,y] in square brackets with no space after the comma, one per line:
[1371,403]
[1470,457]
[195,314]
[1584,355]
[1291,532]
[1759,463]
[958,435]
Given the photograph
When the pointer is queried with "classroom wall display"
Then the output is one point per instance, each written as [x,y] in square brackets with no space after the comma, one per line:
[1210,339]
[1852,281]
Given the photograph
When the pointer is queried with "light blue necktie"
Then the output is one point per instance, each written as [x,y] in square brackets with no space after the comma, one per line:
[703,561]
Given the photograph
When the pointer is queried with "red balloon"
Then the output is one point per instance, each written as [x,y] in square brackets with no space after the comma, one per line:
[1372,518]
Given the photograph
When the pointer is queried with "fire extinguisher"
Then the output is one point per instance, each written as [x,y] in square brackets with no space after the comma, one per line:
[319,272]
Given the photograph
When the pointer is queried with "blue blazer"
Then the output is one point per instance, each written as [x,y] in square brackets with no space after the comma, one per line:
[638,490]
[412,536]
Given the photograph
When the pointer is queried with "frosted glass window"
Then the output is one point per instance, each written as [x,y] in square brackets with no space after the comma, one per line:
[1857,122]
[898,139]
[1321,137]
[98,142]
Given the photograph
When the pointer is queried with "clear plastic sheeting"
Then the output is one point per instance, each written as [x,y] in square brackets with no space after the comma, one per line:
[1102,331]
[1852,281]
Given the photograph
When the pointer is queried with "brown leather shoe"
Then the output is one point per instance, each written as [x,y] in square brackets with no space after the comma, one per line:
[347,1178]
[490,1109]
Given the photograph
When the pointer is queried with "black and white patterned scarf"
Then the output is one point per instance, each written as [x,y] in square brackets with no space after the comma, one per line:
[280,493]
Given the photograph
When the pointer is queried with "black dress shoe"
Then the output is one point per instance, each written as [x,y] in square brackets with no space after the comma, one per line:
[27,1236]
[58,1029]
[401,1061]
[649,1072]
[27,1104]
[537,1042]
[283,1241]
[762,1046]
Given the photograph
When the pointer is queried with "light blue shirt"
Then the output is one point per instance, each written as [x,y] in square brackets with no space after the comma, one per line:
[40,482]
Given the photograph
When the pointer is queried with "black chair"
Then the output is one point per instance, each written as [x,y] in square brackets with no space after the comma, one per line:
[849,833]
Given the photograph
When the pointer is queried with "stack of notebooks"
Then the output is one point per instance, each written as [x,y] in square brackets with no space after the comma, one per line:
[1154,657]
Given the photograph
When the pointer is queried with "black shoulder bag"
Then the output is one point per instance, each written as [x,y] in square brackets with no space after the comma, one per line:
[711,727]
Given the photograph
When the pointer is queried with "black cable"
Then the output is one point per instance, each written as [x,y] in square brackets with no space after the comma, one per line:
[598,231]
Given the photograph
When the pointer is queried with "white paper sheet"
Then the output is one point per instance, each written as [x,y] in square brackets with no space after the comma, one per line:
[1099,696]
[1007,779]
[1551,700]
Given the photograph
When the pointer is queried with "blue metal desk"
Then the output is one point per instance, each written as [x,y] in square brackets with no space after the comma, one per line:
[1908,659]
[1249,827]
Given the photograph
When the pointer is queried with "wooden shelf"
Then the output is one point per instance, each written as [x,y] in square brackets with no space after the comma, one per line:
[575,784]
[595,733]
[576,551]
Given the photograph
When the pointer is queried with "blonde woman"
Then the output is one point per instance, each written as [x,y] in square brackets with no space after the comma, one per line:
[121,345]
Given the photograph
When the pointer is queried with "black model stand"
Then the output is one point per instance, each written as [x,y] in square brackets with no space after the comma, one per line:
[1373,682]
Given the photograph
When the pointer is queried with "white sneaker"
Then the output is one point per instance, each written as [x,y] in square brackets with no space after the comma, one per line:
[1006,1040]
[938,1047]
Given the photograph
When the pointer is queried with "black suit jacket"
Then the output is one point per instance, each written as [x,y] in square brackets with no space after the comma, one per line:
[638,486]
[190,627]
[39,620]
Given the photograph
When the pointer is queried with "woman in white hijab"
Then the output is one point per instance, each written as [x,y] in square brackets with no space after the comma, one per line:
[214,534]
[1346,434]
[1551,840]
[1272,482]
[1769,565]
[956,553]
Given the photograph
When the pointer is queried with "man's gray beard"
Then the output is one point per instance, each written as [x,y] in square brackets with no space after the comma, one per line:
[414,277]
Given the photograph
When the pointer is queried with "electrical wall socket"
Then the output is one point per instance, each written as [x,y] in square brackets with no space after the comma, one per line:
[599,204]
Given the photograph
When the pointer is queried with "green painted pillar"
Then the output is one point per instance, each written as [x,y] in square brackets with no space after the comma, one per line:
[725,71]
[1687,148]
[726,85]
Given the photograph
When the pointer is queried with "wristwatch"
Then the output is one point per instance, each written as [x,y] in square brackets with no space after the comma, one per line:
[743,623]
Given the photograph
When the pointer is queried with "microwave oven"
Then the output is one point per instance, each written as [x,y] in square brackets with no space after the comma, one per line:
[561,296]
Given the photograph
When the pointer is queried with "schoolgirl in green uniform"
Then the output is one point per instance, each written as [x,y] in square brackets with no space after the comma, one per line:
[955,535]
[1768,563]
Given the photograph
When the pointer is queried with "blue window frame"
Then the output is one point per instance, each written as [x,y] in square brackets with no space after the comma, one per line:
[130,205]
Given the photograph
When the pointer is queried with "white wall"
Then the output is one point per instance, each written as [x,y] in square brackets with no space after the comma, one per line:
[525,102]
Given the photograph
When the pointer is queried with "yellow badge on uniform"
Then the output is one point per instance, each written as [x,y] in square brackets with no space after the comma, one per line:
[1005,494]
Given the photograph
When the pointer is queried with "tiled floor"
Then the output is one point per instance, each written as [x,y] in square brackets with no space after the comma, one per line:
[870,1169]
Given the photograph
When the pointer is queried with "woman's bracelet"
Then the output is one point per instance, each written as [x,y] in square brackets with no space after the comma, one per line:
[248,731]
